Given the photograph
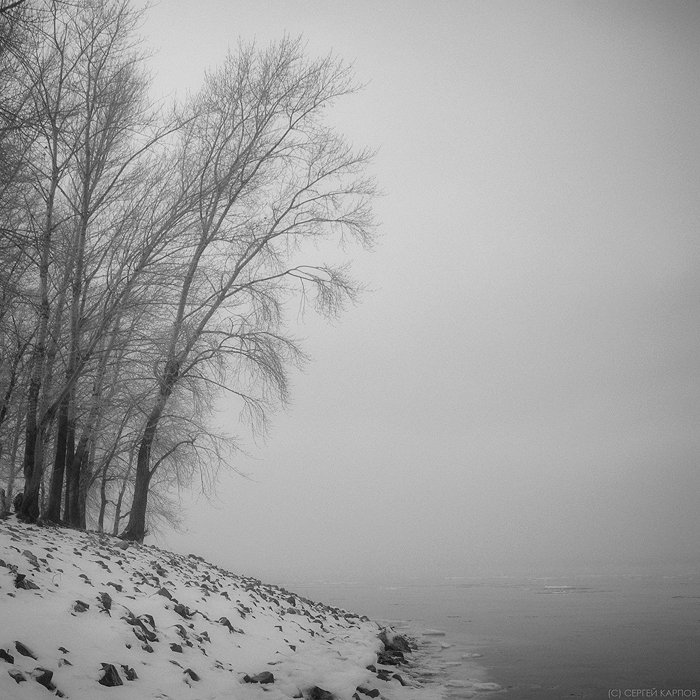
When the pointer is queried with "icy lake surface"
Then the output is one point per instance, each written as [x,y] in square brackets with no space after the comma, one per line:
[543,638]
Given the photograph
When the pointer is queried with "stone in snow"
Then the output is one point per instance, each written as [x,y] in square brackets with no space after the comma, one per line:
[111,676]
[21,581]
[129,673]
[17,676]
[24,650]
[105,602]
[43,677]
[264,677]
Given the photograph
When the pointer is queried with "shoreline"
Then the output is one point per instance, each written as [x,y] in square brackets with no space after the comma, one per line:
[88,615]
[450,663]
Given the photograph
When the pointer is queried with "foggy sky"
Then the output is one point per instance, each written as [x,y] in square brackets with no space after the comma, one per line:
[521,389]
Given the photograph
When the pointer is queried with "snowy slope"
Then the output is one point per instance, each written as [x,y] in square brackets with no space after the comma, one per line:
[92,610]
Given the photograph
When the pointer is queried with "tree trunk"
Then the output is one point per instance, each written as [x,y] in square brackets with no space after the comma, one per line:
[85,479]
[33,457]
[13,459]
[118,510]
[136,529]
[53,512]
[75,467]
[120,498]
[29,510]
[103,499]
[30,504]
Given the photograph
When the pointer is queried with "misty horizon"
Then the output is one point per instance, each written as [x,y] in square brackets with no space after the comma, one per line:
[521,387]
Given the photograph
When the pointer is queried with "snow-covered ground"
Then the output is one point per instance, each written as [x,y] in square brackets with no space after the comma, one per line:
[86,616]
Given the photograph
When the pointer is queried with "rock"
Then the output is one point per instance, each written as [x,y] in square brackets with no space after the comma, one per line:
[79,606]
[129,673]
[111,676]
[183,611]
[390,658]
[383,674]
[43,677]
[374,693]
[317,693]
[31,556]
[176,648]
[399,678]
[139,627]
[21,581]
[191,674]
[6,657]
[105,602]
[16,675]
[165,593]
[117,586]
[25,651]
[264,677]
[399,643]
[227,623]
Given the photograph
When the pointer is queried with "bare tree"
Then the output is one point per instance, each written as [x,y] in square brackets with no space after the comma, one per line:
[90,100]
[147,262]
[111,107]
[261,175]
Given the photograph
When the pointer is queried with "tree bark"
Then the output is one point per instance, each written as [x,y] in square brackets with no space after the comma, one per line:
[136,528]
[53,511]
[75,513]
[103,499]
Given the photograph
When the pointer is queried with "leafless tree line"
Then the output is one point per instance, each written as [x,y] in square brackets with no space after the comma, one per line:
[147,254]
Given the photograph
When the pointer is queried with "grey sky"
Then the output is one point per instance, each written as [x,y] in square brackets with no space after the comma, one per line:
[523,385]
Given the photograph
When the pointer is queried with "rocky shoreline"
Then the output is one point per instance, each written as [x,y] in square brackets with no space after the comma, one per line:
[87,615]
